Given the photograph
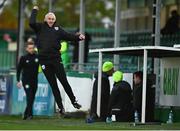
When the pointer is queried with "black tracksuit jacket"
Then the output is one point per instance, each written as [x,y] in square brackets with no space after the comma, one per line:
[105,93]
[121,99]
[48,38]
[28,64]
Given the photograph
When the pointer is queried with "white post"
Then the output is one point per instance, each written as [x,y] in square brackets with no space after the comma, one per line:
[82,28]
[143,114]
[117,33]
[99,84]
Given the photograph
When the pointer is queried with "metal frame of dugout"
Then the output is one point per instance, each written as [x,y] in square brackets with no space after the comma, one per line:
[145,51]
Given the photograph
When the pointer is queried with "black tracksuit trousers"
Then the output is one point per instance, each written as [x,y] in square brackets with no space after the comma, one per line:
[53,69]
[30,90]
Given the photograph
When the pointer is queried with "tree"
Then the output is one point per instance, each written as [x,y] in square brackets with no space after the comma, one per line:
[2,4]
[67,12]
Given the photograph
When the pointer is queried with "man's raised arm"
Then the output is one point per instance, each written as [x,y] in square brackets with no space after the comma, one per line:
[33,24]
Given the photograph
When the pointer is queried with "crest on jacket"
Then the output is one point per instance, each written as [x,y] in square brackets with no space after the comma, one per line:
[56,28]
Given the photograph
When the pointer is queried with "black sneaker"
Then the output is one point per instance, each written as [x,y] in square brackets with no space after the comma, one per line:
[24,117]
[62,112]
[27,117]
[76,105]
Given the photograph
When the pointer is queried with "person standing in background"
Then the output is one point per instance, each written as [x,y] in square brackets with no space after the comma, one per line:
[76,48]
[28,67]
[65,54]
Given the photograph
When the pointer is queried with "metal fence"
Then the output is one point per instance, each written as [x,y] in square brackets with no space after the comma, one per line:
[101,38]
[7,60]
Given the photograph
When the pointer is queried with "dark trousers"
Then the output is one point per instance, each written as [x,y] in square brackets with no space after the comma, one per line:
[124,116]
[30,90]
[51,70]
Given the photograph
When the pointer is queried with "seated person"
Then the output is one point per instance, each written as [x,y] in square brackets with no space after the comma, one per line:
[107,70]
[137,92]
[172,24]
[120,102]
[150,95]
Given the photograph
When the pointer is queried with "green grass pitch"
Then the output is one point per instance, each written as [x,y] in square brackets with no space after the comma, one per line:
[56,123]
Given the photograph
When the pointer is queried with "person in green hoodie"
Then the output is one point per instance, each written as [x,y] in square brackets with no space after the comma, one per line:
[120,101]
[64,54]
[107,71]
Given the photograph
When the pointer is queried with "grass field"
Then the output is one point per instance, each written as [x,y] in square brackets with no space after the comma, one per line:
[55,123]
